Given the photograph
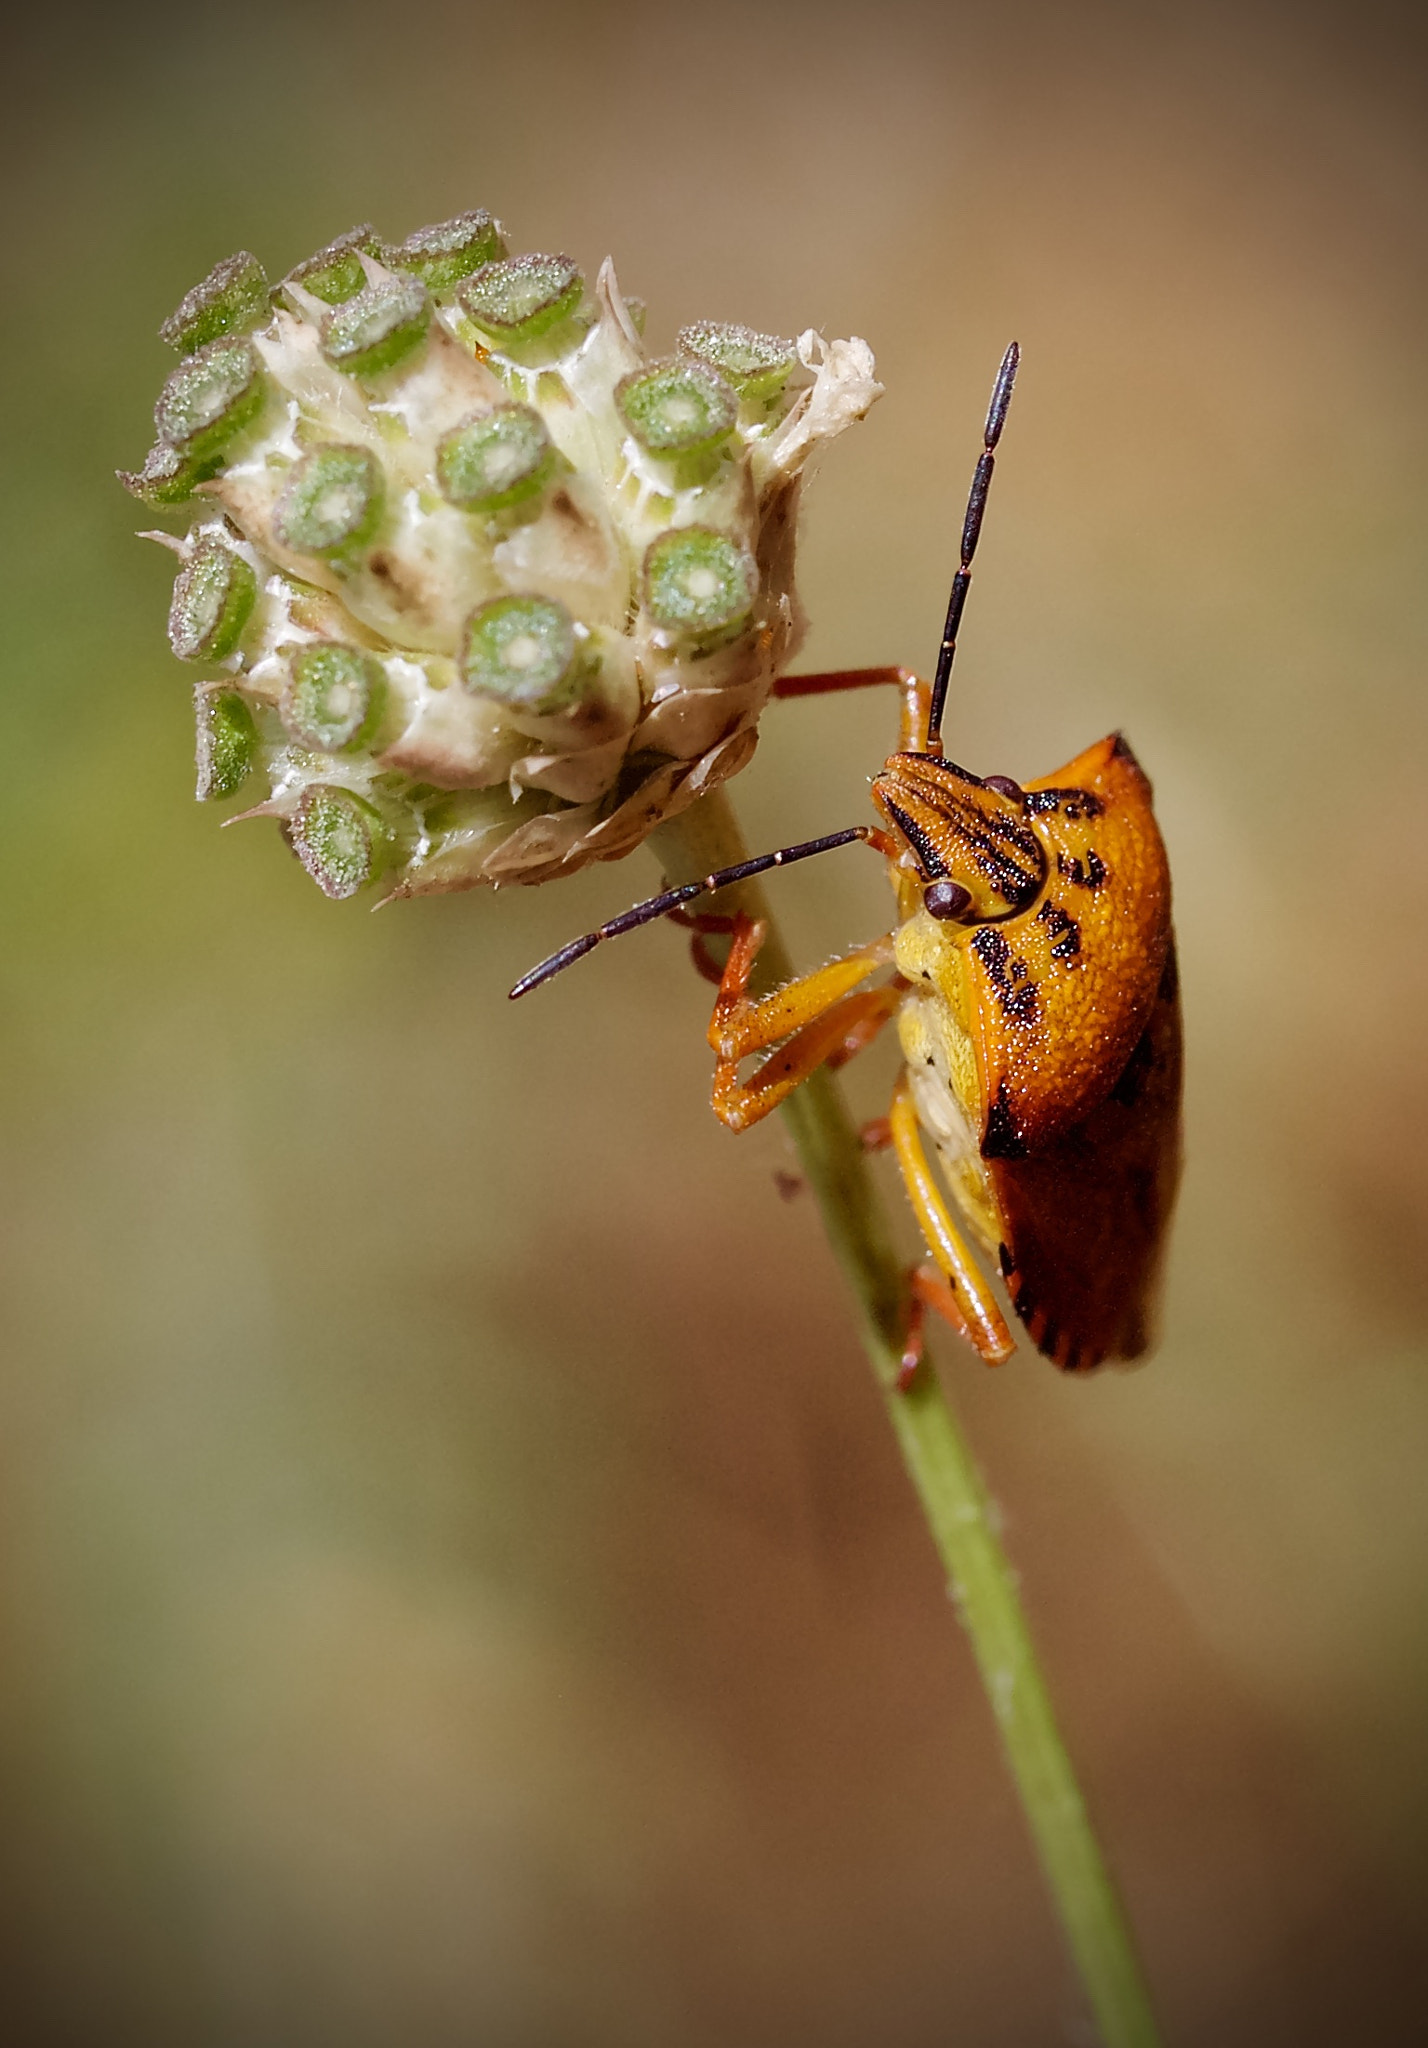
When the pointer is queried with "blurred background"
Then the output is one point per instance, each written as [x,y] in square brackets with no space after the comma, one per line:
[458,1584]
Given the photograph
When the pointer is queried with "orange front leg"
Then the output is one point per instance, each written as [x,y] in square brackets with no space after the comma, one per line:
[810,1021]
[985,1328]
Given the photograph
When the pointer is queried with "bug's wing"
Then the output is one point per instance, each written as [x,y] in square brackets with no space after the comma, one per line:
[1086,1216]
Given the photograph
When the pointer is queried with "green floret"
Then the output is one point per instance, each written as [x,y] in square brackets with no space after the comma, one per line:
[227,741]
[521,650]
[332,698]
[335,273]
[213,596]
[522,298]
[491,463]
[377,328]
[211,396]
[332,501]
[168,476]
[445,253]
[231,299]
[698,581]
[757,365]
[339,838]
[677,407]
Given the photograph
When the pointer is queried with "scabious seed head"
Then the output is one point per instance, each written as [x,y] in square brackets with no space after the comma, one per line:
[677,408]
[523,297]
[332,697]
[331,502]
[496,461]
[214,594]
[231,299]
[482,591]
[335,273]
[442,255]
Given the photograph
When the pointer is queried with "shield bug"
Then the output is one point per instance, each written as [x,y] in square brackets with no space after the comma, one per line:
[1031,971]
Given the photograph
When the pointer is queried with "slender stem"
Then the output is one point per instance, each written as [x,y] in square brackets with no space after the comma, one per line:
[949,1486]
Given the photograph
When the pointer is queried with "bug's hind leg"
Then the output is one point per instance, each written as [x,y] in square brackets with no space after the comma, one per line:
[927,1290]
[809,1022]
[985,1328]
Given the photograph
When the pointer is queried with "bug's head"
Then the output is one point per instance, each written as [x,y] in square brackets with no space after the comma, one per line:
[977,856]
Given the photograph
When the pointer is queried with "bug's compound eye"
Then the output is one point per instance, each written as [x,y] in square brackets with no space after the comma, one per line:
[1006,787]
[947,901]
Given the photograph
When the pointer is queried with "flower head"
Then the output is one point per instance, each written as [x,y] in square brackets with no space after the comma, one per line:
[483,591]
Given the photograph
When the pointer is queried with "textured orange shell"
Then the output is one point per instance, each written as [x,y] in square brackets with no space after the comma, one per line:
[1079,1055]
[1062,994]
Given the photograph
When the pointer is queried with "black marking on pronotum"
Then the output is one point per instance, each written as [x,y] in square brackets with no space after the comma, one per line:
[672,899]
[938,764]
[1002,1139]
[1017,1002]
[1064,932]
[971,532]
[1006,1261]
[1071,803]
[1010,858]
[1087,874]
[929,859]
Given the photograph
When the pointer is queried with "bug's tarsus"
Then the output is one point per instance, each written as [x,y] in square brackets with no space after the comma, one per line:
[674,899]
[971,532]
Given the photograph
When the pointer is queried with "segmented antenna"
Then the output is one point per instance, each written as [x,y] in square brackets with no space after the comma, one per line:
[971,528]
[675,899]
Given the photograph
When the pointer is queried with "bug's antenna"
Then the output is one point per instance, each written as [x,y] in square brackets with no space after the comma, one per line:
[971,528]
[673,899]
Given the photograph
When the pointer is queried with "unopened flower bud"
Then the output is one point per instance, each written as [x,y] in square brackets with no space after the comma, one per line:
[335,273]
[168,477]
[211,397]
[756,365]
[521,651]
[497,461]
[677,407]
[699,582]
[333,697]
[375,329]
[339,837]
[231,299]
[442,255]
[523,298]
[227,741]
[332,501]
[213,597]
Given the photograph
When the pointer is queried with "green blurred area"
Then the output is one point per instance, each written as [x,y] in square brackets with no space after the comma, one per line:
[457,1585]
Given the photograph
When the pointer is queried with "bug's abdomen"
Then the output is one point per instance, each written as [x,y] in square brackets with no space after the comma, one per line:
[1086,1216]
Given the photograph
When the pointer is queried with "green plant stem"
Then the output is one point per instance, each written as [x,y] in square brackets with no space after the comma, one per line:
[954,1499]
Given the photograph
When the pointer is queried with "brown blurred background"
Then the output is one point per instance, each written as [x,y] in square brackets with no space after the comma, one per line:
[458,1583]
